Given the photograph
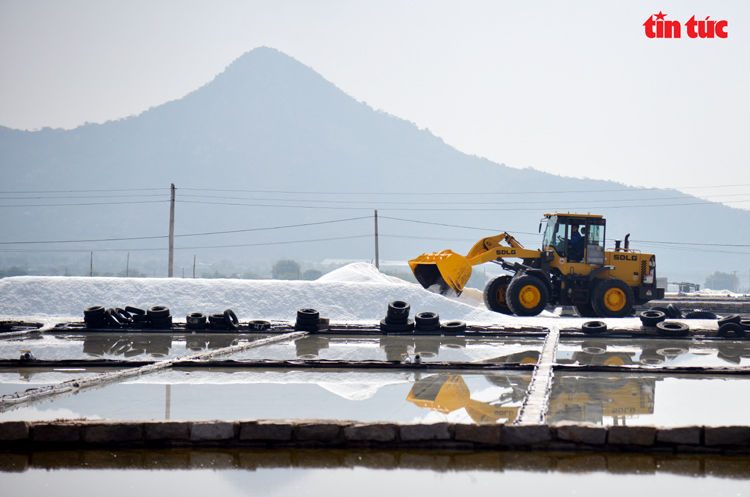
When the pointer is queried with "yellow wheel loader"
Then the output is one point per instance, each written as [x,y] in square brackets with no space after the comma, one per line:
[571,268]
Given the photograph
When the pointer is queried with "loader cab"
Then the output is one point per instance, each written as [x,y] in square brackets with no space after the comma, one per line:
[559,231]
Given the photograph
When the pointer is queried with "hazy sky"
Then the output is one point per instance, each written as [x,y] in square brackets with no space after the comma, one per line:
[571,88]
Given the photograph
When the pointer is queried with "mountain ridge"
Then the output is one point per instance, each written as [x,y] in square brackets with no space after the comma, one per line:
[270,123]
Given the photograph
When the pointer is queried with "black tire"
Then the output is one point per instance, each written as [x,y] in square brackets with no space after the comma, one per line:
[745,323]
[398,309]
[218,325]
[396,320]
[217,318]
[586,311]
[700,315]
[453,327]
[735,329]
[495,294]
[196,318]
[162,323]
[95,323]
[591,327]
[307,314]
[732,318]
[651,317]
[307,322]
[427,318]
[140,318]
[672,329]
[312,328]
[123,316]
[111,318]
[527,295]
[231,319]
[673,312]
[134,310]
[612,298]
[95,311]
[426,328]
[157,312]
[397,328]
[259,325]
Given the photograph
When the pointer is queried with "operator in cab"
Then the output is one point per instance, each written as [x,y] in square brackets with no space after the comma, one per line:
[575,245]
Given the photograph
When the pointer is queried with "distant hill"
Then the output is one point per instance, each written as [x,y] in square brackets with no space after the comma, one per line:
[271,124]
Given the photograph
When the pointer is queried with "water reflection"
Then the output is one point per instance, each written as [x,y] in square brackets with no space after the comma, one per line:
[108,345]
[446,393]
[654,352]
[592,398]
[735,468]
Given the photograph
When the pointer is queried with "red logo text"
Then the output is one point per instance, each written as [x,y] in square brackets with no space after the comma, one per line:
[657,26]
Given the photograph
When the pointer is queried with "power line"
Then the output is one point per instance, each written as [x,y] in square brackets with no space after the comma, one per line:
[188,234]
[484,209]
[453,225]
[193,248]
[381,202]
[87,196]
[98,190]
[627,189]
[92,203]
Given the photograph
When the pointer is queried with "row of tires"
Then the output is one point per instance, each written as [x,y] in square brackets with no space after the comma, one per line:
[397,320]
[159,317]
[729,326]
[665,328]
[732,325]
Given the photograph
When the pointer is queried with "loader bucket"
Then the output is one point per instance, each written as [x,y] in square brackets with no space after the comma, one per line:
[447,269]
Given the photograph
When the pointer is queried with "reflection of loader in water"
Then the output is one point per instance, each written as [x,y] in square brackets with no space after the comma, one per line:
[573,398]
[446,393]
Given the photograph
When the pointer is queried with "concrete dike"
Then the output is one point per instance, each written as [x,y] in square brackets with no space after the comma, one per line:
[323,434]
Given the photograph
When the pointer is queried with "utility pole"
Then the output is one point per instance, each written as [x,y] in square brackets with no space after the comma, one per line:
[171,234]
[377,254]
[91,268]
[734,282]
[127,267]
[194,266]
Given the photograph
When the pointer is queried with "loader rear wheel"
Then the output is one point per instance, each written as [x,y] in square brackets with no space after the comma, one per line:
[612,298]
[527,295]
[495,294]
[586,311]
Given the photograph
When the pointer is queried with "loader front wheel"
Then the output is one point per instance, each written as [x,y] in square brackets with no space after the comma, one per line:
[612,298]
[495,294]
[527,295]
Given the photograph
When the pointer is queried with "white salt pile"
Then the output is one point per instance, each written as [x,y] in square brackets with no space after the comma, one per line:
[357,292]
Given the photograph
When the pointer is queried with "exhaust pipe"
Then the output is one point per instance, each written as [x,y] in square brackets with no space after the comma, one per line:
[627,242]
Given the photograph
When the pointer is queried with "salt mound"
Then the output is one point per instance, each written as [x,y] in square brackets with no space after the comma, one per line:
[361,272]
[354,293]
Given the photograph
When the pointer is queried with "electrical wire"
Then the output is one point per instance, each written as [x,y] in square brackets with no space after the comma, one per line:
[188,234]
[92,203]
[88,196]
[381,202]
[99,190]
[627,189]
[369,235]
[484,209]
